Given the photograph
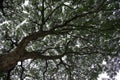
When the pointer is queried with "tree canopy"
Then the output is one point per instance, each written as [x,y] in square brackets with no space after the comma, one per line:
[59,39]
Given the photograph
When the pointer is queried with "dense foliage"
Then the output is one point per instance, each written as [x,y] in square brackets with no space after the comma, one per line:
[60,39]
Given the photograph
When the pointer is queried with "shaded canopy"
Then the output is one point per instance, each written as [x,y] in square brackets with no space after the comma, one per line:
[59,39]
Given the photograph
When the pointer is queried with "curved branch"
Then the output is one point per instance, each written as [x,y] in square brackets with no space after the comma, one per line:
[27,39]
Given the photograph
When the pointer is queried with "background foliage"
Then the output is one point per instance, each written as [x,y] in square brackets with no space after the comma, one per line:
[87,32]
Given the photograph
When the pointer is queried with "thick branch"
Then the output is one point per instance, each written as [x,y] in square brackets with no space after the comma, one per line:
[38,55]
[33,36]
[36,35]
[8,61]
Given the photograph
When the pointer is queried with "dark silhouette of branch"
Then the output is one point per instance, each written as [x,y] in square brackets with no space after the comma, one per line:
[45,70]
[42,14]
[2,7]
[9,74]
[22,71]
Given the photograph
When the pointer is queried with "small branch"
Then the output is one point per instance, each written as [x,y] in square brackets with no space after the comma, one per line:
[73,18]
[42,14]
[52,12]
[22,71]
[99,8]
[50,48]
[2,7]
[45,70]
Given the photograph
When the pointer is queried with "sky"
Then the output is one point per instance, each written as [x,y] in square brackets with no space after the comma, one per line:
[104,76]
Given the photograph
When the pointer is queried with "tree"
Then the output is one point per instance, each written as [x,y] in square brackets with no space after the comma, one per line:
[59,39]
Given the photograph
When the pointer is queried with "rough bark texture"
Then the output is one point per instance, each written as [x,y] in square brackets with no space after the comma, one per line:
[8,61]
